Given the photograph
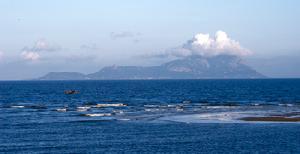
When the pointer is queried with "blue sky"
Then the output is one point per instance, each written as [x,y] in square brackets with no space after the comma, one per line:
[86,35]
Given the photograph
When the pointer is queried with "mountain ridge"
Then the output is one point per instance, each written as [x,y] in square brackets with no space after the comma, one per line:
[192,67]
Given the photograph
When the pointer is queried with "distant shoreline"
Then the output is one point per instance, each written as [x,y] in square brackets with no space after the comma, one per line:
[161,79]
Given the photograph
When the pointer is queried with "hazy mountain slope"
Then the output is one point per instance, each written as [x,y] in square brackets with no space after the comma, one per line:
[63,76]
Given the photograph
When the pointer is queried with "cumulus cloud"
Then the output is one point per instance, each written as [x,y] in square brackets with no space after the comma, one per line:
[29,55]
[204,45]
[34,52]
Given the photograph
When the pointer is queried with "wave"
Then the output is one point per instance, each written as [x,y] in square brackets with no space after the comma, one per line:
[17,106]
[61,110]
[287,105]
[97,114]
[110,105]
[82,108]
[29,106]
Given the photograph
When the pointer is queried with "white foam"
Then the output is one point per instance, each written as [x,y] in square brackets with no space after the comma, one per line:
[98,114]
[151,105]
[256,104]
[179,109]
[124,119]
[287,105]
[171,105]
[62,110]
[220,117]
[17,106]
[110,105]
[219,107]
[151,110]
[118,111]
[185,102]
[82,108]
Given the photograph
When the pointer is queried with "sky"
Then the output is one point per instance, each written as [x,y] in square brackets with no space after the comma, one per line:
[37,37]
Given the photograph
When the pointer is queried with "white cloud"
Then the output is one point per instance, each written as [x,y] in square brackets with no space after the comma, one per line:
[29,55]
[1,55]
[204,45]
[34,53]
[122,35]
[42,45]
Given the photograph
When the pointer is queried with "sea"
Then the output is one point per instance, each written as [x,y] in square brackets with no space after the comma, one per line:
[149,116]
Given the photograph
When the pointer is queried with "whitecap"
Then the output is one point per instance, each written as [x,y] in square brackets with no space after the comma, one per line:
[62,110]
[185,102]
[97,114]
[171,105]
[219,107]
[151,105]
[287,105]
[82,108]
[151,110]
[17,106]
[118,111]
[110,105]
[124,119]
[179,109]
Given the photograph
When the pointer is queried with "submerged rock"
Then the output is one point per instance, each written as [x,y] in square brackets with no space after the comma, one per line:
[272,119]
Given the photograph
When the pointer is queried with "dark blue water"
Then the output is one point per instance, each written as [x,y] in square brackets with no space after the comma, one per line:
[167,116]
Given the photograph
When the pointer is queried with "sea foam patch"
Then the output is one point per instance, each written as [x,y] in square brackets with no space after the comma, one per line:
[218,117]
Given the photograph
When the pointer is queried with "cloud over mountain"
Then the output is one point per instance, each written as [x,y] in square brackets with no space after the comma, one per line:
[205,45]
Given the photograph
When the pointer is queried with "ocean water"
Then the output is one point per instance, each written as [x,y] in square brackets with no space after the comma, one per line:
[149,116]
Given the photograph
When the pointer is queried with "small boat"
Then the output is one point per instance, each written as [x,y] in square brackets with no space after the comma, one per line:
[69,92]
